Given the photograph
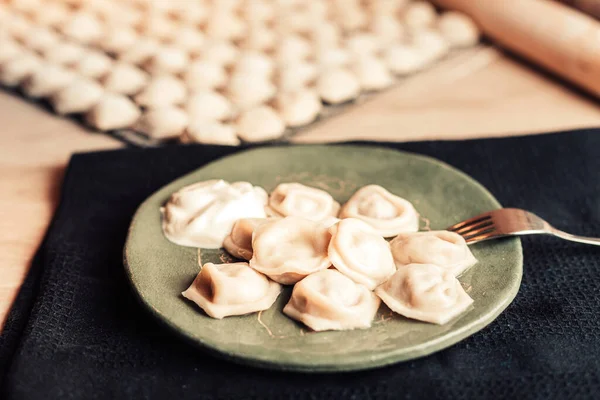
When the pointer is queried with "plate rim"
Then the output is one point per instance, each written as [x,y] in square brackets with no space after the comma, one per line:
[361,363]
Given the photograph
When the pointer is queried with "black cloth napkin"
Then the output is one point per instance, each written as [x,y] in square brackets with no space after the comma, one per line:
[78,331]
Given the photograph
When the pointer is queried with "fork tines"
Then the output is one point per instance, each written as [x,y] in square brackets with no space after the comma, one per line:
[474,228]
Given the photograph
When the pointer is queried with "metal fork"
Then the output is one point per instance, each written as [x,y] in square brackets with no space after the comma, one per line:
[510,222]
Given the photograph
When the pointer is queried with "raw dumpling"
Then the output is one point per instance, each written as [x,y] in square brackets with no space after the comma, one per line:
[338,85]
[168,60]
[260,123]
[126,79]
[431,45]
[296,76]
[141,51]
[83,28]
[221,52]
[361,254]
[202,74]
[372,73]
[403,60]
[298,108]
[40,38]
[163,90]
[246,90]
[254,63]
[442,248]
[163,122]
[425,292]
[94,65]
[113,111]
[77,97]
[211,132]
[118,40]
[222,290]
[388,214]
[210,105]
[47,80]
[9,49]
[329,300]
[202,214]
[239,242]
[288,249]
[295,199]
[64,53]
[188,38]
[458,29]
[17,69]
[419,15]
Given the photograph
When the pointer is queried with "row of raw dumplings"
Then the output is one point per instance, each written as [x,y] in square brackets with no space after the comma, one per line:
[219,71]
[336,257]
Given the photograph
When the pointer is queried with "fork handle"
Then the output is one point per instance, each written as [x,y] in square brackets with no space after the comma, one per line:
[575,238]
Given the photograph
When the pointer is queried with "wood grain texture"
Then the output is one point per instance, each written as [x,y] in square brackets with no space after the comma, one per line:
[547,32]
[483,93]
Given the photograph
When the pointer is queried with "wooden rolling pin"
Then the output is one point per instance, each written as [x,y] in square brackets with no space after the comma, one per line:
[591,7]
[549,33]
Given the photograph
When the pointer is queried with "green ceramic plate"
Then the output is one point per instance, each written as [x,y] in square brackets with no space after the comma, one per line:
[160,270]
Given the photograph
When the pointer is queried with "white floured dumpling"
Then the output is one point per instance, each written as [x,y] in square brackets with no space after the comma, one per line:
[328,300]
[372,73]
[125,78]
[247,90]
[77,97]
[64,53]
[159,26]
[360,253]
[431,45]
[387,29]
[220,51]
[254,63]
[162,90]
[119,39]
[292,49]
[17,69]
[211,132]
[189,39]
[47,80]
[338,85]
[163,122]
[202,214]
[141,51]
[458,29]
[363,44]
[332,58]
[225,25]
[192,12]
[385,212]
[259,124]
[425,292]
[299,107]
[94,65]
[442,248]
[9,49]
[296,76]
[113,111]
[288,249]
[222,290]
[40,38]
[209,105]
[203,74]
[239,242]
[325,35]
[295,199]
[52,14]
[18,26]
[404,60]
[419,15]
[168,60]
[259,38]
[83,28]
[258,11]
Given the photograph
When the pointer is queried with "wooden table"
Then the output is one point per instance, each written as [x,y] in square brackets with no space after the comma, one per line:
[481,93]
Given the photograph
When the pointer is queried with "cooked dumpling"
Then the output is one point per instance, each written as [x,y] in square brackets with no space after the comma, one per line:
[202,214]
[288,249]
[295,199]
[329,300]
[425,292]
[388,214]
[239,242]
[442,248]
[222,290]
[360,253]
